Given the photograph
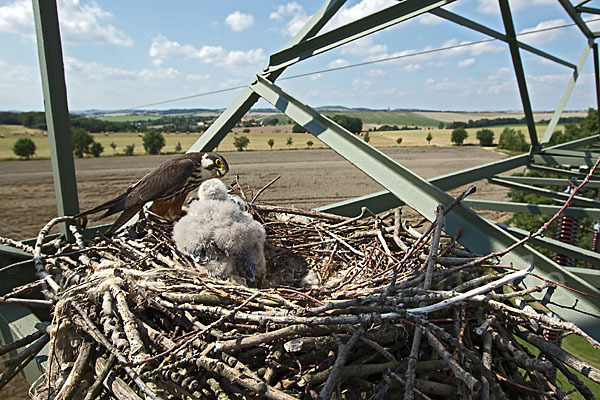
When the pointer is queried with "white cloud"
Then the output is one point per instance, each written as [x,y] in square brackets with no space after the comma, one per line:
[376,72]
[412,67]
[79,23]
[359,10]
[238,21]
[364,47]
[464,48]
[542,37]
[491,6]
[236,60]
[339,63]
[467,62]
[294,14]
[314,77]
[99,72]
[444,84]
[429,19]
[17,17]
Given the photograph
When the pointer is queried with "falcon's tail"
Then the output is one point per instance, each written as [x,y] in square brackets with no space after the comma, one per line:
[123,218]
[112,207]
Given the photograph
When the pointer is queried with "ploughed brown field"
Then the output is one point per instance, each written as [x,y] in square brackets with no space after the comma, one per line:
[309,178]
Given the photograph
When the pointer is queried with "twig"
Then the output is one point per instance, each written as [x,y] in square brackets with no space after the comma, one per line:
[263,189]
[343,354]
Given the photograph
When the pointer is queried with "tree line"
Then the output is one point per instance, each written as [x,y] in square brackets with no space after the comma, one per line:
[486,122]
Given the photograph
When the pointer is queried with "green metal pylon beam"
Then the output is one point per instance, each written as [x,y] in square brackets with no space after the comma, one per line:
[227,120]
[572,11]
[354,30]
[519,72]
[477,234]
[565,96]
[562,182]
[552,194]
[450,16]
[55,104]
[525,208]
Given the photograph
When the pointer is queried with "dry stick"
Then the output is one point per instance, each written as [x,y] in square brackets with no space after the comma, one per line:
[414,351]
[334,375]
[19,245]
[99,337]
[472,383]
[94,390]
[19,362]
[470,190]
[472,293]
[20,343]
[114,384]
[487,364]
[28,302]
[80,366]
[403,383]
[298,211]
[263,189]
[563,356]
[539,317]
[520,293]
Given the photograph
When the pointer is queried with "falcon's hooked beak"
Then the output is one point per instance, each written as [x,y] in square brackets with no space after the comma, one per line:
[221,172]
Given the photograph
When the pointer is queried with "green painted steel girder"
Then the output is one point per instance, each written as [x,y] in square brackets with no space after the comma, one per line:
[558,171]
[477,234]
[590,275]
[589,10]
[556,246]
[550,159]
[352,31]
[525,208]
[55,104]
[597,79]
[384,200]
[570,9]
[450,16]
[573,153]
[577,200]
[227,120]
[565,96]
[519,72]
[563,182]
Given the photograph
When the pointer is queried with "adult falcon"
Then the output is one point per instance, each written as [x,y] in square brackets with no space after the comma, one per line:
[167,187]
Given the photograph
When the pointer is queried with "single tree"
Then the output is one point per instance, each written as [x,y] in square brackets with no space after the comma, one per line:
[459,135]
[399,140]
[309,144]
[297,128]
[82,141]
[246,130]
[128,151]
[153,141]
[351,124]
[485,137]
[178,147]
[271,142]
[241,142]
[114,146]
[24,147]
[289,141]
[96,149]
[429,138]
[367,137]
[441,125]
[512,140]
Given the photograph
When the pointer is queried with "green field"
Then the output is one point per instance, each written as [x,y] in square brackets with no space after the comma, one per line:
[258,139]
[129,118]
[390,118]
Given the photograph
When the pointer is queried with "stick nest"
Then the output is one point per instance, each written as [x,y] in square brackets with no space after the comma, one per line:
[338,315]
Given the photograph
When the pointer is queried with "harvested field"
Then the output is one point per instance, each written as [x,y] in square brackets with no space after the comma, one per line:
[308,179]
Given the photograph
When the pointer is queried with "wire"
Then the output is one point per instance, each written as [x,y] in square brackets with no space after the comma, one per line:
[418,53]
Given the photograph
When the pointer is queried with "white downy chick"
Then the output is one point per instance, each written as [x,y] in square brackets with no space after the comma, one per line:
[221,236]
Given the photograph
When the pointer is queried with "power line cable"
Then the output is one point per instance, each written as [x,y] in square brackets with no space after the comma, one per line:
[418,53]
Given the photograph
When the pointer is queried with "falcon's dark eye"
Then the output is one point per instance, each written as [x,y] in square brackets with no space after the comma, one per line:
[219,163]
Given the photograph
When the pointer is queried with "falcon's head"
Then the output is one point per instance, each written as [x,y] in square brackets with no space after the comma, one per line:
[214,164]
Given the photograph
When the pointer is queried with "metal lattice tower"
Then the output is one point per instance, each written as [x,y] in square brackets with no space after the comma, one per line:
[478,234]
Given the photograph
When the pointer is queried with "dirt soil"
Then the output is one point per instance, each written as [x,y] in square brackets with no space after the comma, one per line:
[309,178]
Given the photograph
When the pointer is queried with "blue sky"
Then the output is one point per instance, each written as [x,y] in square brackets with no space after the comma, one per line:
[123,54]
